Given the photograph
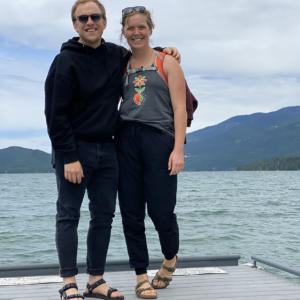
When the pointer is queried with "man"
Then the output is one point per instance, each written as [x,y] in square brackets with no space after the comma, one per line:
[82,90]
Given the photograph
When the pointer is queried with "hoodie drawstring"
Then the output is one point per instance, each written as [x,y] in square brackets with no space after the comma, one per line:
[108,69]
[106,60]
[88,57]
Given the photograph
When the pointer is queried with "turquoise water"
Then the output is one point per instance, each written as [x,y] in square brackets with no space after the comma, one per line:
[242,213]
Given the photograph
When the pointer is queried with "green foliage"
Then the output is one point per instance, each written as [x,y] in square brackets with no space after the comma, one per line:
[21,160]
[275,164]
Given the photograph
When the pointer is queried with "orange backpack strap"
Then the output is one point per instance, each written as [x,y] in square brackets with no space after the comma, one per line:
[159,60]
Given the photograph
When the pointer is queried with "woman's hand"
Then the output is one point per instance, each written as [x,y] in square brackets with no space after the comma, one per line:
[176,162]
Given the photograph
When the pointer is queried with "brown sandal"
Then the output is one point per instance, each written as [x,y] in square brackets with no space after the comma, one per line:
[139,290]
[165,280]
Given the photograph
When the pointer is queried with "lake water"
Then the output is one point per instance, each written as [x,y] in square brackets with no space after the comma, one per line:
[219,213]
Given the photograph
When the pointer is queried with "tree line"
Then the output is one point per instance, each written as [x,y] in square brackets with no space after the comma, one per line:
[275,164]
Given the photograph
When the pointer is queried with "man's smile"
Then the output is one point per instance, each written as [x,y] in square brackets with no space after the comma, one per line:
[91,30]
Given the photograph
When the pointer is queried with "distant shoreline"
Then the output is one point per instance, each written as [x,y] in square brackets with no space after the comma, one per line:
[276,164]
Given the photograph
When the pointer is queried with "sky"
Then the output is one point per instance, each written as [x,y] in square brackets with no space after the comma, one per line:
[239,56]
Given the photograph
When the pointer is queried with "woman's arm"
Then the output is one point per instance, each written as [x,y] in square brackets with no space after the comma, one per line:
[176,83]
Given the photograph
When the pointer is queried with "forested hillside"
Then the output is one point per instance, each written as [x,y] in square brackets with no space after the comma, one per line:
[245,139]
[275,164]
[21,160]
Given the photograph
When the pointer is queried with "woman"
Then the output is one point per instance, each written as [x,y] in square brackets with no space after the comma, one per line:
[150,149]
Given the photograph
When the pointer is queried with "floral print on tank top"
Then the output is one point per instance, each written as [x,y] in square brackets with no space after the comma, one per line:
[139,98]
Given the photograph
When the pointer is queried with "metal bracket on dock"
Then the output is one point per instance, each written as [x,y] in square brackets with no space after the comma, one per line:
[254,264]
[274,265]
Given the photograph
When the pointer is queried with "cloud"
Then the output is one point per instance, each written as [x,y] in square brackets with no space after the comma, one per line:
[239,56]
[22,134]
[221,97]
[41,143]
[235,35]
[27,68]
[22,103]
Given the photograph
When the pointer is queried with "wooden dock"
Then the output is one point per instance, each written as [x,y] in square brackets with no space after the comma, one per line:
[241,282]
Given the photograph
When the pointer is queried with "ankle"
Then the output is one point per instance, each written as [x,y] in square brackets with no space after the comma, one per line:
[170,262]
[68,280]
[141,277]
[93,279]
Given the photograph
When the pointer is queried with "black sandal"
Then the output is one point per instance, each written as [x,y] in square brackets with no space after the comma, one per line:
[62,292]
[90,288]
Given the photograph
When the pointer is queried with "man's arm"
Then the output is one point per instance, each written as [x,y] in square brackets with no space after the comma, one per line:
[174,52]
[170,51]
[59,91]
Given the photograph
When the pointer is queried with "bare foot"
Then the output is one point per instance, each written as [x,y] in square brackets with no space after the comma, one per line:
[101,289]
[143,277]
[164,273]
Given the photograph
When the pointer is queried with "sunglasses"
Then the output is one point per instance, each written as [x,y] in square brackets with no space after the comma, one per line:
[84,18]
[128,10]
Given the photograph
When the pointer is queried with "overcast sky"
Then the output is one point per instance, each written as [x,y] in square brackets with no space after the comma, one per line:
[239,56]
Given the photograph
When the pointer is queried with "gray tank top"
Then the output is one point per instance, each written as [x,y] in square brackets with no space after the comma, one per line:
[146,96]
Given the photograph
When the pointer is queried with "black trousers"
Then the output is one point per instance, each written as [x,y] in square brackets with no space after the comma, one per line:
[143,154]
[101,177]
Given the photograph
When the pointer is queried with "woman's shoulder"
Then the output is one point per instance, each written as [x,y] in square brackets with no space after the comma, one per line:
[170,64]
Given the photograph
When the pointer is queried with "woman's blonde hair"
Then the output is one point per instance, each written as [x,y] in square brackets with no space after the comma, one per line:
[103,12]
[146,13]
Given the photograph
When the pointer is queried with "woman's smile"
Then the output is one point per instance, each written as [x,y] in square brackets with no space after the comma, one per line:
[137,31]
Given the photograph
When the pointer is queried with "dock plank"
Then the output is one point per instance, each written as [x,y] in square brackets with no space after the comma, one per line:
[242,283]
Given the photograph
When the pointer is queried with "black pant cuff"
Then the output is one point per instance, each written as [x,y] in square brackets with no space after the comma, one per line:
[95,272]
[140,271]
[68,272]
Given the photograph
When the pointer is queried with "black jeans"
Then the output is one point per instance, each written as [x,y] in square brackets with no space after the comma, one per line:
[101,174]
[143,154]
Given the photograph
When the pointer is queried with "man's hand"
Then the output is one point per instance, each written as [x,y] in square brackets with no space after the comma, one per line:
[176,162]
[174,52]
[74,172]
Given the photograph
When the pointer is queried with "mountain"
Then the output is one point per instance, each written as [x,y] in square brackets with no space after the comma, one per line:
[244,139]
[237,141]
[21,160]
[275,164]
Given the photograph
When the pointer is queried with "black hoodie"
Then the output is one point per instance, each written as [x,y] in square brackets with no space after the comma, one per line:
[82,90]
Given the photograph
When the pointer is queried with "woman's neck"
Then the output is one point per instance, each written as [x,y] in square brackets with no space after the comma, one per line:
[141,57]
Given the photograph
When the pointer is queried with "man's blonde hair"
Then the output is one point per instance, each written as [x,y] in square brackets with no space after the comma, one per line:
[103,12]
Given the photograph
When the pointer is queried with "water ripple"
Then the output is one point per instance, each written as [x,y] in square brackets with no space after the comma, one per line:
[218,213]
